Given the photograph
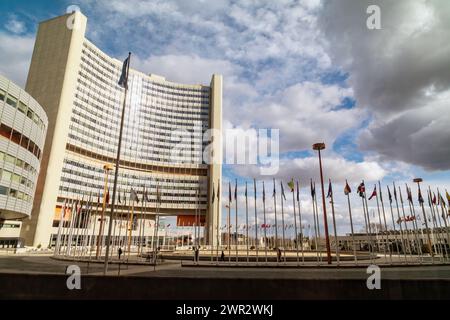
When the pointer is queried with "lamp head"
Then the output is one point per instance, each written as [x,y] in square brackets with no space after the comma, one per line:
[418,180]
[318,146]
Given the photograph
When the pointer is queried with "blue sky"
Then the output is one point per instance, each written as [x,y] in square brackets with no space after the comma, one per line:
[309,68]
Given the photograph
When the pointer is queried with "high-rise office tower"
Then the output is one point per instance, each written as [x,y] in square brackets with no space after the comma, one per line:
[162,145]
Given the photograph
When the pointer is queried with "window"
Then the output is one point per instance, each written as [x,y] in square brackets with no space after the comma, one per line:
[2,95]
[22,107]
[15,178]
[6,175]
[2,156]
[11,101]
[3,190]
[13,193]
[30,114]
[9,158]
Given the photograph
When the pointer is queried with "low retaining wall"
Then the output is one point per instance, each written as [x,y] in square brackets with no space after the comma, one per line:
[34,286]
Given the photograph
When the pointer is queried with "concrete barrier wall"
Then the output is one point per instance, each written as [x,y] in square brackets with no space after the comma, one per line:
[32,286]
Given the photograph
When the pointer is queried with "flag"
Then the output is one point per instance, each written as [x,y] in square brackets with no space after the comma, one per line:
[448,197]
[274,190]
[433,201]
[291,185]
[123,81]
[347,189]
[134,196]
[264,193]
[146,196]
[213,194]
[361,189]
[380,192]
[298,192]
[420,198]
[374,193]
[442,201]
[409,194]
[389,195]
[235,190]
[395,194]
[330,190]
[245,193]
[282,191]
[229,192]
[107,197]
[400,192]
[120,200]
[218,190]
[313,190]
[158,194]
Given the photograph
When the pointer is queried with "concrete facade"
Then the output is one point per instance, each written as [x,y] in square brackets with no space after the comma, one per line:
[162,145]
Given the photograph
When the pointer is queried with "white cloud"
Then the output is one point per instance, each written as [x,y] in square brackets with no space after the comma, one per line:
[14,25]
[16,54]
[400,74]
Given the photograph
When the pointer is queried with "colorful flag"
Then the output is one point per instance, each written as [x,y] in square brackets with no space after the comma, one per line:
[447,195]
[361,189]
[374,193]
[291,185]
[107,196]
[433,201]
[347,189]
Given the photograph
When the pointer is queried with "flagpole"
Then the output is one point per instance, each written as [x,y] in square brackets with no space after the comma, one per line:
[385,223]
[246,221]
[416,231]
[236,215]
[58,237]
[443,217]
[314,204]
[301,223]
[72,221]
[256,221]
[399,221]
[295,221]
[265,223]
[218,235]
[404,220]
[369,224]
[275,210]
[362,194]
[379,221]
[282,221]
[130,230]
[351,220]
[334,224]
[438,225]
[434,227]
[430,247]
[116,173]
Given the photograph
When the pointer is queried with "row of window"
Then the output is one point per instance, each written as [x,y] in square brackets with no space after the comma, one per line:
[15,194]
[155,179]
[20,139]
[22,107]
[95,54]
[16,178]
[17,162]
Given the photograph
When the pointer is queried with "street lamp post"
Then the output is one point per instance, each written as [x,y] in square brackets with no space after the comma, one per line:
[318,147]
[430,247]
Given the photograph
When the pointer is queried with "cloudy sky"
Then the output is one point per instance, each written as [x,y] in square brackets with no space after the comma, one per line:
[379,99]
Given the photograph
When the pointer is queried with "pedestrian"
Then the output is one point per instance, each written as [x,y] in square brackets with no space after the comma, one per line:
[119,251]
[278,254]
[197,251]
[222,256]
